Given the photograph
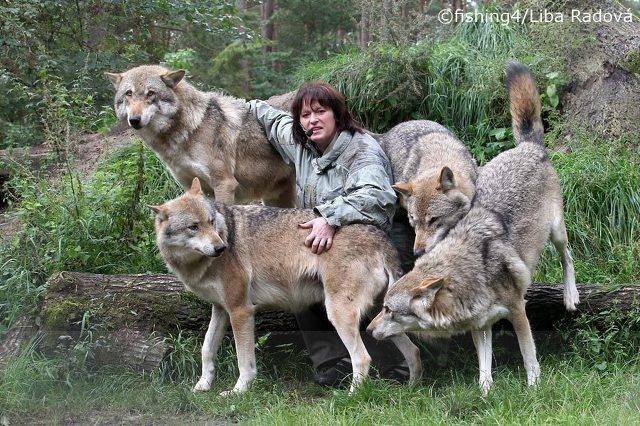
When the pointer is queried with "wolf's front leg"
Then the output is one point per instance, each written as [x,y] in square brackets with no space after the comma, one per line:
[215,332]
[411,354]
[518,318]
[482,339]
[242,324]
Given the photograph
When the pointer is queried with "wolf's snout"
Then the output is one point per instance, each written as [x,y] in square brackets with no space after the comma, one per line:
[135,121]
[218,250]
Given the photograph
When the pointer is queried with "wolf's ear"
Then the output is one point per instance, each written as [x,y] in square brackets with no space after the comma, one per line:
[114,78]
[159,211]
[403,188]
[446,180]
[196,188]
[427,287]
[172,78]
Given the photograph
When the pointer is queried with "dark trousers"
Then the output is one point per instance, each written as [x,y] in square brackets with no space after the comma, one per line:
[322,341]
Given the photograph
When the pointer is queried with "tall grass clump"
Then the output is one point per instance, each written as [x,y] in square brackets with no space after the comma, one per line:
[601,190]
[101,225]
[457,82]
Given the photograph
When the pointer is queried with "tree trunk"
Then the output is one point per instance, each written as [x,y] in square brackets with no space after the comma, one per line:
[243,63]
[130,315]
[268,30]
[363,28]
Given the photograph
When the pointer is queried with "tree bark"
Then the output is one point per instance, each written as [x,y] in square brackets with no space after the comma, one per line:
[129,316]
[268,29]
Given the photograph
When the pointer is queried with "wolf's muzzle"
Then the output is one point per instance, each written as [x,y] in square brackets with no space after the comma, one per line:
[218,250]
[135,121]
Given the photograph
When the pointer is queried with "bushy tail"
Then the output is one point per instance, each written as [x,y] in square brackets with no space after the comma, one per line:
[524,103]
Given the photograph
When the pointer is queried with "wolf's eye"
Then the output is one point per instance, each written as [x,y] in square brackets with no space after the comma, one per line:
[151,94]
[193,227]
[433,220]
[128,93]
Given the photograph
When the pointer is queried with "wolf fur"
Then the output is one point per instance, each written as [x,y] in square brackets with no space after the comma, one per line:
[242,258]
[480,271]
[202,134]
[435,177]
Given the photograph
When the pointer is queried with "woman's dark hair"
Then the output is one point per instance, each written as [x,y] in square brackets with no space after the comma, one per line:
[327,96]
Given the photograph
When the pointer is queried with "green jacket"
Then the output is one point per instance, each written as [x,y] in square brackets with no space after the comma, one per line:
[349,183]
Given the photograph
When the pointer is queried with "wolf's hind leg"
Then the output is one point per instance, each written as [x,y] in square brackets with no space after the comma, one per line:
[215,332]
[345,317]
[518,318]
[482,339]
[560,241]
[411,354]
[242,324]
[516,266]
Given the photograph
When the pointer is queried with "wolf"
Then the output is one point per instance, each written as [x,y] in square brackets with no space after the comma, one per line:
[435,178]
[202,134]
[242,258]
[479,273]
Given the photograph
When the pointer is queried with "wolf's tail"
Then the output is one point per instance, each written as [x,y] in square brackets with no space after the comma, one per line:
[524,103]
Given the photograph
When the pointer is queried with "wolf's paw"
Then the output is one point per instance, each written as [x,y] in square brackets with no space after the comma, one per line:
[415,375]
[533,375]
[571,299]
[485,385]
[203,385]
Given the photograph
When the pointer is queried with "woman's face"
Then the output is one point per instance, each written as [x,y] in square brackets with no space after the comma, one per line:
[320,121]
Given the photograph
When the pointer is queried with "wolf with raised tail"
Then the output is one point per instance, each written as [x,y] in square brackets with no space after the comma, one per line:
[479,273]
[242,258]
[203,134]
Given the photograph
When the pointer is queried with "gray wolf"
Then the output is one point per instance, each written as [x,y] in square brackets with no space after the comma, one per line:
[242,258]
[479,273]
[435,177]
[202,134]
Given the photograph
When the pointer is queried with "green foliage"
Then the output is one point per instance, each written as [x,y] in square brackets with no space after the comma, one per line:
[456,82]
[602,212]
[608,337]
[100,226]
[571,391]
[181,59]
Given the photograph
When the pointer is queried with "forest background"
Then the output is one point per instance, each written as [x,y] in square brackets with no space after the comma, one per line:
[394,61]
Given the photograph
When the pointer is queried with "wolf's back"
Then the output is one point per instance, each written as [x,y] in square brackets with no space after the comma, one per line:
[524,103]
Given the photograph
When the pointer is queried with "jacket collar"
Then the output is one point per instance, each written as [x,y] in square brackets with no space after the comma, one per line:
[333,151]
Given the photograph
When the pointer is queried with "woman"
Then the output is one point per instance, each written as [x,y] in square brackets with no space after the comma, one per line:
[345,177]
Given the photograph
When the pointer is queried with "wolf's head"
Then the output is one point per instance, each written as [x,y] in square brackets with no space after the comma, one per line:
[435,204]
[407,306]
[146,96]
[189,228]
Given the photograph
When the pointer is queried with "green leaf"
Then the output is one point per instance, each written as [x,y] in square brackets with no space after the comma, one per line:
[551,90]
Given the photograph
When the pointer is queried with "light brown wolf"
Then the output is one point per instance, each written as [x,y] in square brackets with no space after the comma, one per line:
[242,258]
[203,134]
[435,177]
[479,273]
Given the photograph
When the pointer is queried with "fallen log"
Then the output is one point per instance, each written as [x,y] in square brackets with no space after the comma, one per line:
[130,315]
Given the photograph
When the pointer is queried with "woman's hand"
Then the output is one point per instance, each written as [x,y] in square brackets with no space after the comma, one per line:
[321,236]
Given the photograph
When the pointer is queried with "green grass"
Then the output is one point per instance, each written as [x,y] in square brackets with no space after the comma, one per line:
[601,190]
[101,226]
[571,391]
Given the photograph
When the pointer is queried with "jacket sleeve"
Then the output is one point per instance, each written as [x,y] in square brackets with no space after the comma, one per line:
[367,198]
[278,126]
